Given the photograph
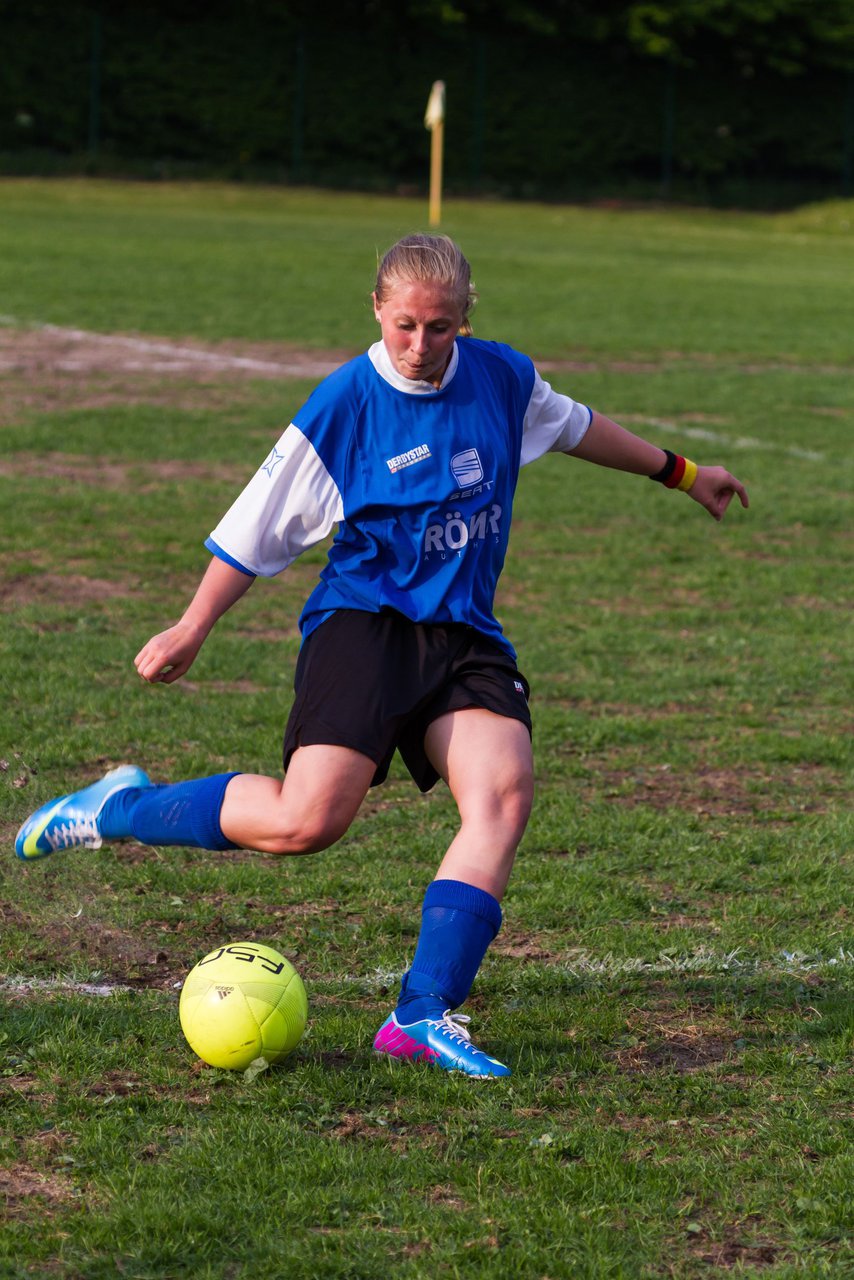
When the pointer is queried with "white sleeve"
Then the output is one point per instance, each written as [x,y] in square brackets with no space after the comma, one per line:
[553,423]
[290,504]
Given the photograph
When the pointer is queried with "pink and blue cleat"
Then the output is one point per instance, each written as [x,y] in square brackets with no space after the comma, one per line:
[442,1042]
[72,821]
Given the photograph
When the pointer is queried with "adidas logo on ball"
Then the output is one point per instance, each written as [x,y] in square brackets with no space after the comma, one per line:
[243,1002]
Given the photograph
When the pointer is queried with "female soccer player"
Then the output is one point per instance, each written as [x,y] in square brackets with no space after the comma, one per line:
[413,450]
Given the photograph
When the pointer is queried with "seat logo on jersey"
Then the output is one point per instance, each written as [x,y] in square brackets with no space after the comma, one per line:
[467,468]
[408,459]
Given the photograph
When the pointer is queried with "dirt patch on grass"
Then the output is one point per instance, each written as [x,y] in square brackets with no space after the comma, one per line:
[44,349]
[117,957]
[70,590]
[50,369]
[115,1084]
[397,1134]
[676,1041]
[157,953]
[714,792]
[446,1197]
[514,944]
[102,473]
[26,1192]
[732,1251]
[680,1051]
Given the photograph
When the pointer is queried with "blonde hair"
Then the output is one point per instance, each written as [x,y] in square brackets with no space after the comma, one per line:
[429,260]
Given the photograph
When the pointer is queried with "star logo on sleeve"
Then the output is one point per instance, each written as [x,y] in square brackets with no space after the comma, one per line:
[272,462]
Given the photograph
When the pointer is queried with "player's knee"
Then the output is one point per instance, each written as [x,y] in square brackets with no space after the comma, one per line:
[306,834]
[517,800]
[505,808]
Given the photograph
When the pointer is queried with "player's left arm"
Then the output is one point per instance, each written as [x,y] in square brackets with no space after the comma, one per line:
[610,445]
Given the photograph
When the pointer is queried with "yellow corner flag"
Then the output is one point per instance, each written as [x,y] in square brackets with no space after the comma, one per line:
[434,120]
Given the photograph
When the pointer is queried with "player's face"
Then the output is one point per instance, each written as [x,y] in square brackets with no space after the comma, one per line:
[419,323]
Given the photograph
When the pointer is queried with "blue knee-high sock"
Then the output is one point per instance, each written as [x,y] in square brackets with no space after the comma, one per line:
[458,922]
[185,813]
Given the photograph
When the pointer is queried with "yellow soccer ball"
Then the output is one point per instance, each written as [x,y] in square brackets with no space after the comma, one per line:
[242,1002]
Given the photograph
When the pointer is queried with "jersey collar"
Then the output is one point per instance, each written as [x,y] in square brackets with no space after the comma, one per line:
[381,361]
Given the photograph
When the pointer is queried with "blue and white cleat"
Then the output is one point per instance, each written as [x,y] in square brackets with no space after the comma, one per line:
[72,821]
[443,1042]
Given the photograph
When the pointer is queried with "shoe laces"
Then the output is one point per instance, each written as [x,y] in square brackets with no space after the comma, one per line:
[82,829]
[455,1025]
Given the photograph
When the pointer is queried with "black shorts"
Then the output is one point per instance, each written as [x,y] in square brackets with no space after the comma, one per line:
[375,681]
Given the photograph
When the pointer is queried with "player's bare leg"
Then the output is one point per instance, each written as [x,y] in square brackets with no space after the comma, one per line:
[487,762]
[309,811]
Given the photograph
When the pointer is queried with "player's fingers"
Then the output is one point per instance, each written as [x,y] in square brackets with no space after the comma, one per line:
[164,676]
[732,486]
[724,498]
[727,494]
[150,652]
[168,676]
[152,666]
[143,662]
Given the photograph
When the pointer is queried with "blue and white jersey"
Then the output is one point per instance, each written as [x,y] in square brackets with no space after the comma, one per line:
[419,480]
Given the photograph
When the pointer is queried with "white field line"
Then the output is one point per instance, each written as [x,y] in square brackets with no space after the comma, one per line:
[18,985]
[172,351]
[720,437]
[791,962]
[585,964]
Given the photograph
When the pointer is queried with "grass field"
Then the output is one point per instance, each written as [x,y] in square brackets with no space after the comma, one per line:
[673,984]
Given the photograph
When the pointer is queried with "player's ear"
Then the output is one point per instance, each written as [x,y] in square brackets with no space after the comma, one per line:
[376,306]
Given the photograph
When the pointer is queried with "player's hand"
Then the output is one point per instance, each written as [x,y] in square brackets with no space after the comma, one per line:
[170,654]
[715,488]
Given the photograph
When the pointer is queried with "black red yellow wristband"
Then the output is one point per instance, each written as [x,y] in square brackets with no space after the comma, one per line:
[677,472]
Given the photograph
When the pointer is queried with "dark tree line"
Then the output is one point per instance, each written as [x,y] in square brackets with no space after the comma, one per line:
[546,98]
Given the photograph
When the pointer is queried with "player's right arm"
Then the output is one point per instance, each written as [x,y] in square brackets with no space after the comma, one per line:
[168,655]
[289,505]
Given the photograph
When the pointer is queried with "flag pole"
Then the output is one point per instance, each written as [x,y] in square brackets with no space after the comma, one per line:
[434,120]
